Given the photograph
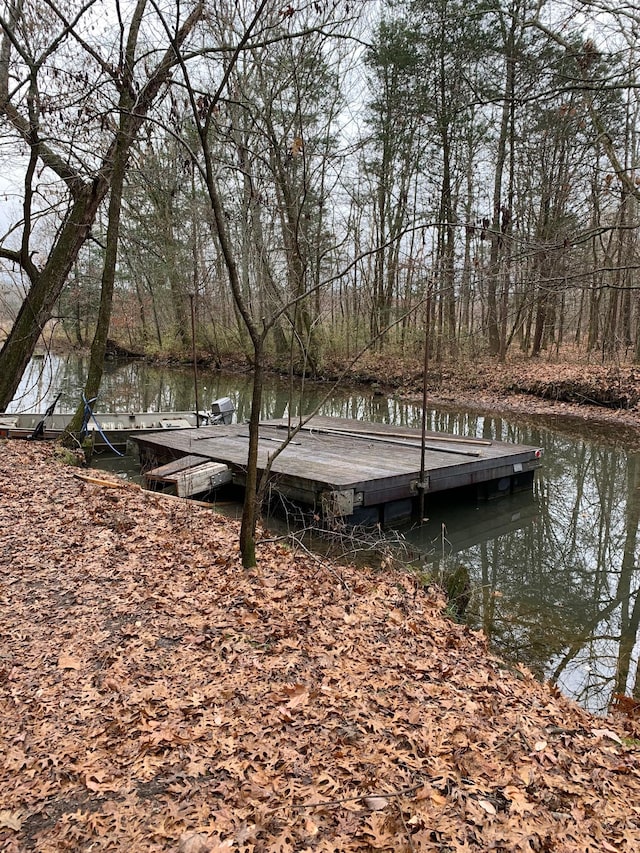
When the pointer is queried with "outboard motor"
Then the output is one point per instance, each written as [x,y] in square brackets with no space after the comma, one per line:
[222,411]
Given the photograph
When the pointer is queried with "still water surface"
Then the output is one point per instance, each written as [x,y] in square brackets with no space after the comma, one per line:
[555,573]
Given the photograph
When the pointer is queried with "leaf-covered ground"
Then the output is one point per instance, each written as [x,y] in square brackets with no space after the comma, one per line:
[155,696]
[566,386]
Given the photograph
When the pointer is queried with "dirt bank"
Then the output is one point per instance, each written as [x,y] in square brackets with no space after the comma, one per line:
[156,697]
[568,388]
[563,389]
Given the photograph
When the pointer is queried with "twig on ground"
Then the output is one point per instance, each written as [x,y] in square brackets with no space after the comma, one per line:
[403,792]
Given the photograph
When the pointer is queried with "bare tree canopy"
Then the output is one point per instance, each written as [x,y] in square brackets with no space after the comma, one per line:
[320,178]
[64,69]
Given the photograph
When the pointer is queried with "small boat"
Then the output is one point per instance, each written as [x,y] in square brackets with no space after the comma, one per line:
[111,429]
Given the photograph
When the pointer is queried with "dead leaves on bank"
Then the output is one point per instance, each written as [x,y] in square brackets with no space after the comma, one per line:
[155,697]
[612,388]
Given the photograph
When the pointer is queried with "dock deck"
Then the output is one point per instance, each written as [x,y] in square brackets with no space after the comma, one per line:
[346,467]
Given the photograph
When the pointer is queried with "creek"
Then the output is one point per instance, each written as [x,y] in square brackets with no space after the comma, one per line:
[554,573]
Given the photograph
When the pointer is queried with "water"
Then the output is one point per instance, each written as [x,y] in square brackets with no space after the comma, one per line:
[554,573]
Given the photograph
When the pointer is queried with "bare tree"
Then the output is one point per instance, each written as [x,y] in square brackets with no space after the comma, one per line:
[266,25]
[75,103]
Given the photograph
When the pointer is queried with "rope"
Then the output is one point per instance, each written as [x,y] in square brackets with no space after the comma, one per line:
[87,416]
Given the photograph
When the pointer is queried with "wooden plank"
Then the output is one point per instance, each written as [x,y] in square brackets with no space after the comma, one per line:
[201,478]
[372,431]
[402,442]
[99,481]
[173,467]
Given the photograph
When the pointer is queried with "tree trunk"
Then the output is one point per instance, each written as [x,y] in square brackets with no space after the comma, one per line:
[85,199]
[500,217]
[99,343]
[251,508]
[45,290]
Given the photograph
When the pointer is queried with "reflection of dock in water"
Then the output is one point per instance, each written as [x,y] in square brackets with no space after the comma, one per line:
[454,528]
[362,471]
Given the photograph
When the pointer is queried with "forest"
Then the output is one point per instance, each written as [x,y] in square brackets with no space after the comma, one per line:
[298,184]
[318,179]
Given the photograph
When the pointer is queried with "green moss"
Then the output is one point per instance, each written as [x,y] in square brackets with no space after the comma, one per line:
[69,457]
[454,580]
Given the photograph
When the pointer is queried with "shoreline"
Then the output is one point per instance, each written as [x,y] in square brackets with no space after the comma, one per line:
[522,388]
[156,696]
[562,389]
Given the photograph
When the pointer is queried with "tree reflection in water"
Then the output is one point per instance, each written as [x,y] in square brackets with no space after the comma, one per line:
[558,591]
[554,573]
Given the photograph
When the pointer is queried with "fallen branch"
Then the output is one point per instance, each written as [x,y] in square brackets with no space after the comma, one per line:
[403,792]
[108,484]
[111,484]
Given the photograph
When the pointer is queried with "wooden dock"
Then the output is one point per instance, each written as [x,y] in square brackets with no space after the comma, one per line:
[365,471]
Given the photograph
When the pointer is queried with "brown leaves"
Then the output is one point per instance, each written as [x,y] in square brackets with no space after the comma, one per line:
[10,820]
[292,695]
[66,661]
[157,697]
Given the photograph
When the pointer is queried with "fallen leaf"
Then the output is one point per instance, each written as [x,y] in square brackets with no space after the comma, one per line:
[487,806]
[438,798]
[376,804]
[193,842]
[68,662]
[311,828]
[294,695]
[10,820]
[396,616]
[98,781]
[520,803]
[606,733]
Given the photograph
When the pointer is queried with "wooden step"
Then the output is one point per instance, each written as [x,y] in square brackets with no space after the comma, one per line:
[188,478]
[175,466]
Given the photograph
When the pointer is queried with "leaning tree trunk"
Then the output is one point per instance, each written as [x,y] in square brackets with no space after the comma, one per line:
[99,343]
[45,290]
[86,197]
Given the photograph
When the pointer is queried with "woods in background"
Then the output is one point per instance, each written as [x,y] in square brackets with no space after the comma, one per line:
[384,171]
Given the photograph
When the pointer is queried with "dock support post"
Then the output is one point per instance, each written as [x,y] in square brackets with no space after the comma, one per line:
[194,355]
[423,447]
